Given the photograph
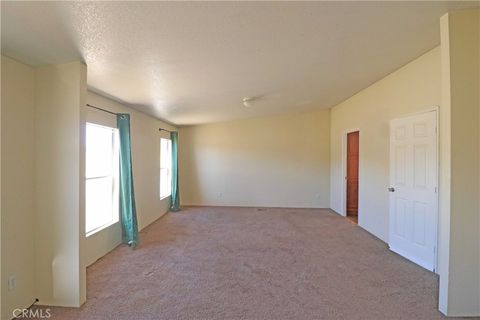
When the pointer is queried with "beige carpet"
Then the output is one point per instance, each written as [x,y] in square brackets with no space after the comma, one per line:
[248,263]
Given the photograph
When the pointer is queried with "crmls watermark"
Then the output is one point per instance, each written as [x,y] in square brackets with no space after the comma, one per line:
[37,313]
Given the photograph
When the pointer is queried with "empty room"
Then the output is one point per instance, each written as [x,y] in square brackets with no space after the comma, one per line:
[240,160]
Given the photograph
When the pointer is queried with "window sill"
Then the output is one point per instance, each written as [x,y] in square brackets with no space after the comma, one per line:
[94,231]
[165,197]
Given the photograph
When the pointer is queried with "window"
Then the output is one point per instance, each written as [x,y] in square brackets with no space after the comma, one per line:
[165,168]
[101,175]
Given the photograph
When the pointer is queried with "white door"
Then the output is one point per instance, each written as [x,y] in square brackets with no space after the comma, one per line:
[413,188]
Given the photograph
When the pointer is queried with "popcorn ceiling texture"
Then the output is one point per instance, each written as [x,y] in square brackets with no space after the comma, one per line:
[193,62]
[249,263]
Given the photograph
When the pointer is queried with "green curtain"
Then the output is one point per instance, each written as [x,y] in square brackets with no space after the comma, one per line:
[175,198]
[128,212]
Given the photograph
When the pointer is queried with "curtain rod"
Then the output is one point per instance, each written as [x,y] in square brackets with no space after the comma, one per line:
[161,129]
[114,113]
[107,111]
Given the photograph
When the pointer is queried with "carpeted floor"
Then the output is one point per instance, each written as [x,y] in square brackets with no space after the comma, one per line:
[248,263]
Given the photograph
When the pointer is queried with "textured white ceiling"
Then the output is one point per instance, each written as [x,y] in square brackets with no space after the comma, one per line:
[193,62]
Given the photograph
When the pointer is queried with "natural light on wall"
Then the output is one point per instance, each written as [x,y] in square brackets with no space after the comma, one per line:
[102,160]
[165,168]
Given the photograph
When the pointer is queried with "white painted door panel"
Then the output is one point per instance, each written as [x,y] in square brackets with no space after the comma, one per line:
[413,188]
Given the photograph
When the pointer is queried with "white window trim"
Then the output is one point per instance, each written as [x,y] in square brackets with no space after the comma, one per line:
[116,183]
[169,169]
[100,228]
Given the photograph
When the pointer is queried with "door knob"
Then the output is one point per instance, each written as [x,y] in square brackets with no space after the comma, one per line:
[391,189]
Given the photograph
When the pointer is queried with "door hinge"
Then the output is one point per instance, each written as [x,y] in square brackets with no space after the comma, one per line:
[435,189]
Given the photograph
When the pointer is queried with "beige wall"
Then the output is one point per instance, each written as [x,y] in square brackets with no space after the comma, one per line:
[280,161]
[146,171]
[284,161]
[459,256]
[17,130]
[59,185]
[1,268]
[412,88]
[43,185]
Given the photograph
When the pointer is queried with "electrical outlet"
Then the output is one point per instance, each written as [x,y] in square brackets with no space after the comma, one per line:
[12,282]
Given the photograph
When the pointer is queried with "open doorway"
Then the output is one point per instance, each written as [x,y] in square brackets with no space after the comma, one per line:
[352,175]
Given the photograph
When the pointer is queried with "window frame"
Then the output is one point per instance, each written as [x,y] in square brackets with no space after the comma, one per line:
[168,168]
[114,176]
